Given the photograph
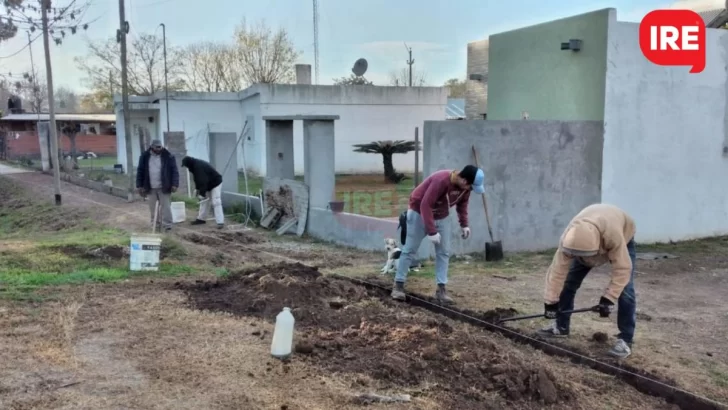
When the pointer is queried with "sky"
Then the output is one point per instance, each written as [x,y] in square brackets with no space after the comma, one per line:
[437,31]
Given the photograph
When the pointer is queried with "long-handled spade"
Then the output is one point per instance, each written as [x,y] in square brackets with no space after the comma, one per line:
[493,249]
[510,319]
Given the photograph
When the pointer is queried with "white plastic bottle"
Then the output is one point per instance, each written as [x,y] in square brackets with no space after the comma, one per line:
[282,344]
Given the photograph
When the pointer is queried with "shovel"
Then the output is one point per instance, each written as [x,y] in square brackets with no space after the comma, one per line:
[509,319]
[493,249]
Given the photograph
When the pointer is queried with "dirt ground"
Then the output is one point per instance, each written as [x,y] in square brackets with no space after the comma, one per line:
[203,341]
[682,320]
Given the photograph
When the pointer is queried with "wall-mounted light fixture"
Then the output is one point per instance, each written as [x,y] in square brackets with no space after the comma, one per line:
[573,45]
[478,77]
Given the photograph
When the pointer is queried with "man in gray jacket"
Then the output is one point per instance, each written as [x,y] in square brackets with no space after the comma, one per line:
[157,177]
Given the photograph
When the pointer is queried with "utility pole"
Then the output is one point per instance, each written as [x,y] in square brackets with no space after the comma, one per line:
[166,86]
[111,85]
[121,38]
[32,67]
[409,62]
[45,5]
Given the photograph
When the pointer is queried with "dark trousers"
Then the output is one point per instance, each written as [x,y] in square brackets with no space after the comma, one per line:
[626,305]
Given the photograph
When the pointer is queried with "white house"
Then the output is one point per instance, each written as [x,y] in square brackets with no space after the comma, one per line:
[368,113]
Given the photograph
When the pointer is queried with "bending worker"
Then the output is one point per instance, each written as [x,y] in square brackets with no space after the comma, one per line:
[600,233]
[429,207]
[208,184]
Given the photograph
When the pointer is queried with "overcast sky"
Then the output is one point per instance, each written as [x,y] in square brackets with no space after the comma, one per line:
[437,31]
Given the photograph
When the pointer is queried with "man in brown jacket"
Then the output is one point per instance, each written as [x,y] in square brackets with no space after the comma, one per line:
[600,233]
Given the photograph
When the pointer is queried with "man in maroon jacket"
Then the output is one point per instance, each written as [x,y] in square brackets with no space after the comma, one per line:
[429,207]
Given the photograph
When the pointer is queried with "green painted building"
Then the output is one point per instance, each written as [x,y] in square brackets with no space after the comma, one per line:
[529,72]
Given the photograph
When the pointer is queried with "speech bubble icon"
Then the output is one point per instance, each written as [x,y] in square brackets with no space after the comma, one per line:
[673,38]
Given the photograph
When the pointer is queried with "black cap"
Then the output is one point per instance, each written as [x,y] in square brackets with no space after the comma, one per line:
[468,173]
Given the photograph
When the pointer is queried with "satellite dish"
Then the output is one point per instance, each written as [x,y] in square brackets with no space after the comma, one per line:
[360,67]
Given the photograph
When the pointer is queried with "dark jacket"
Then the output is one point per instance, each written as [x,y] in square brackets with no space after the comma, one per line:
[205,176]
[170,173]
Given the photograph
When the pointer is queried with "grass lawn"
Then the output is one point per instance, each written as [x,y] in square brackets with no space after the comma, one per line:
[43,245]
[365,194]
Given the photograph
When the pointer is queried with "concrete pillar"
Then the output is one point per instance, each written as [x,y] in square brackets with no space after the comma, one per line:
[319,161]
[303,73]
[44,129]
[279,148]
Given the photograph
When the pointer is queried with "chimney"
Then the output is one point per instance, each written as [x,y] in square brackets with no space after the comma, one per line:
[303,73]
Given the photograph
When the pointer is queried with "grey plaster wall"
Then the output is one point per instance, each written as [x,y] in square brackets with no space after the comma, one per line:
[224,158]
[476,92]
[539,174]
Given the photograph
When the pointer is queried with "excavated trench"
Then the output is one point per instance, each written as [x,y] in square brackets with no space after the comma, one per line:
[352,326]
[640,379]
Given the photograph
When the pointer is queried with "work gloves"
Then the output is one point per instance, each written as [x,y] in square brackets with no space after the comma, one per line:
[551,310]
[435,238]
[604,307]
[465,233]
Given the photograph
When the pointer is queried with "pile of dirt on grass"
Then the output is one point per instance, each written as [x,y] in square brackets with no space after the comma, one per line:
[21,212]
[346,328]
[110,252]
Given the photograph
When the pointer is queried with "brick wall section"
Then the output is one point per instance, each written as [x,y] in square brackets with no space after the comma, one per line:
[27,145]
[476,92]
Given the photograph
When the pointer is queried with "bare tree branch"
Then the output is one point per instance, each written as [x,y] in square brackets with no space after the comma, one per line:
[400,78]
[265,57]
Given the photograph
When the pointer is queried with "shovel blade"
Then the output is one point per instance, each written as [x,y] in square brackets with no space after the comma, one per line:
[493,251]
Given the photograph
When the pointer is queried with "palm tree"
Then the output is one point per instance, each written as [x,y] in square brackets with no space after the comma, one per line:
[387,149]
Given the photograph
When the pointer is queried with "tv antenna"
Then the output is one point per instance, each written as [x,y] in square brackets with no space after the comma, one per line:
[360,67]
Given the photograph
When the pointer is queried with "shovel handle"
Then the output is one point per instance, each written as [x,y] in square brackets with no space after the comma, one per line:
[485,204]
[589,309]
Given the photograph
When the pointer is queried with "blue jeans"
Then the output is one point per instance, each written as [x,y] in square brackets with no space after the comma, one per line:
[626,305]
[415,234]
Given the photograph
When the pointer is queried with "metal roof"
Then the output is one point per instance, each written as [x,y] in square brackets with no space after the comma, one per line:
[60,117]
[455,108]
[713,12]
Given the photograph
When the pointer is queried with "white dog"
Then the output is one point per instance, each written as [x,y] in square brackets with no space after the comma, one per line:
[393,253]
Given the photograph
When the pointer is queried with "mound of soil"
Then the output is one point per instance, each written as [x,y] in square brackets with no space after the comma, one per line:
[347,328]
[111,252]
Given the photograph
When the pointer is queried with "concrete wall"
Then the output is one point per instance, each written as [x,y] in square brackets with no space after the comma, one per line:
[141,119]
[476,92]
[664,134]
[539,174]
[367,114]
[527,70]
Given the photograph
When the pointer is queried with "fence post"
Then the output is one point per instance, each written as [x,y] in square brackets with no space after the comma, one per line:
[417,156]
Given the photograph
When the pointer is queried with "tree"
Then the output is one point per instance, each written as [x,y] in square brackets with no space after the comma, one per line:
[32,91]
[96,102]
[211,67]
[8,28]
[401,78]
[25,15]
[456,87]
[387,149]
[66,100]
[353,79]
[145,66]
[265,57]
[71,130]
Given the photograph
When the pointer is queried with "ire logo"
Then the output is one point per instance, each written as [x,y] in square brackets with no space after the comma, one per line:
[674,37]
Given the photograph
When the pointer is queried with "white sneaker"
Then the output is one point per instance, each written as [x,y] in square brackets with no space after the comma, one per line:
[620,350]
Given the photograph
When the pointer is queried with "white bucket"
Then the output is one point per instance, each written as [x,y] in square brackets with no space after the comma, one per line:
[144,252]
[178,212]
